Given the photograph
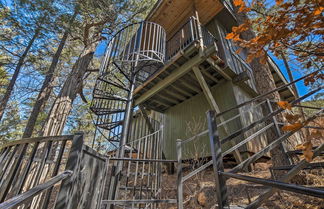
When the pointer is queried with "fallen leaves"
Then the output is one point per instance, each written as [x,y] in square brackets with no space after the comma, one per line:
[284,105]
[291,118]
[315,135]
[292,127]
[307,150]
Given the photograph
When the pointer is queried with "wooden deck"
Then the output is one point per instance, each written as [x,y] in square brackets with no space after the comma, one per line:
[176,82]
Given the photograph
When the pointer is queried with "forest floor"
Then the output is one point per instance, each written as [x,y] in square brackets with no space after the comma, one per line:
[199,192]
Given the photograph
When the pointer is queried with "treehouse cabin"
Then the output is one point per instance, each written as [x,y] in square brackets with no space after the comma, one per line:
[177,64]
[156,81]
[200,66]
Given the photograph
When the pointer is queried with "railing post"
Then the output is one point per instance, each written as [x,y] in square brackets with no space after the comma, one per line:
[216,151]
[275,122]
[191,20]
[179,175]
[68,194]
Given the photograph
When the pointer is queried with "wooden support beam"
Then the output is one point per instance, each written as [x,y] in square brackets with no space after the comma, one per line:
[190,84]
[174,95]
[169,99]
[181,90]
[213,104]
[157,100]
[218,69]
[172,91]
[206,90]
[175,75]
[210,76]
[153,105]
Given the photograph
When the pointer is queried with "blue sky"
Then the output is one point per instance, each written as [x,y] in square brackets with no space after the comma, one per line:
[302,89]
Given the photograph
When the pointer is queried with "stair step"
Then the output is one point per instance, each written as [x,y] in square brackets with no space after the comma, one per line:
[106,111]
[115,138]
[136,188]
[110,126]
[113,84]
[140,173]
[108,97]
[128,202]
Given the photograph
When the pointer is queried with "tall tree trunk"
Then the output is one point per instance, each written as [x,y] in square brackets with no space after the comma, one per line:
[72,86]
[47,86]
[6,97]
[264,83]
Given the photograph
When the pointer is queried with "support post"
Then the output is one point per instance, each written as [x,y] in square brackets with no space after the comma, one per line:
[118,166]
[216,151]
[68,195]
[213,104]
[179,175]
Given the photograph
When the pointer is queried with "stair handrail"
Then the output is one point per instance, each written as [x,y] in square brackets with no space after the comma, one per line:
[31,193]
[267,93]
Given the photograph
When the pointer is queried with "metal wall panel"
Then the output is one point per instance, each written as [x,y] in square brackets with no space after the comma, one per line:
[189,118]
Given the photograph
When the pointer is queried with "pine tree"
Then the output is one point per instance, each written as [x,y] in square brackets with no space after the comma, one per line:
[109,15]
[39,13]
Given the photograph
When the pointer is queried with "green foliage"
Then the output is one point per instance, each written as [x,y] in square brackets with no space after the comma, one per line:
[96,22]
[11,126]
[319,103]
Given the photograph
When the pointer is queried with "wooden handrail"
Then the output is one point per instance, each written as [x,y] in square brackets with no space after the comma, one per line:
[28,195]
[37,139]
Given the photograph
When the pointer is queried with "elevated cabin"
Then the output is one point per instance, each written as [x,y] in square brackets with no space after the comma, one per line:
[195,39]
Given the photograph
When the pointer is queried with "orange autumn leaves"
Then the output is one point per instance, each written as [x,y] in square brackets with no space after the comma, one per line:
[295,27]
[307,150]
[313,77]
[294,124]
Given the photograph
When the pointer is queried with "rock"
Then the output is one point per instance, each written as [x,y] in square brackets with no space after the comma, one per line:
[202,199]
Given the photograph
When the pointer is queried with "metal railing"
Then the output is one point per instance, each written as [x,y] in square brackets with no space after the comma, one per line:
[190,32]
[251,131]
[140,179]
[28,162]
[29,195]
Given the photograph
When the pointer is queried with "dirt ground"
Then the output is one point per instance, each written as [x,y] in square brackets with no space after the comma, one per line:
[199,191]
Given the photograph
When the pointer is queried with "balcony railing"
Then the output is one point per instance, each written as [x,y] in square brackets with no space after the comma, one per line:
[239,65]
[190,32]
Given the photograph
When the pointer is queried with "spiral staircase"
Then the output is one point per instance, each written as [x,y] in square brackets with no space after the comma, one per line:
[133,54]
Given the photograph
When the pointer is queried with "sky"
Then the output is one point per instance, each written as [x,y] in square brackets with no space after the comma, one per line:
[301,88]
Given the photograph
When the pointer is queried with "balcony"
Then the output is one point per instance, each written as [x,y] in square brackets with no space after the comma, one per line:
[191,45]
[188,34]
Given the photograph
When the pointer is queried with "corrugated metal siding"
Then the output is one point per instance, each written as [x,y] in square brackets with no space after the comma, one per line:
[189,118]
